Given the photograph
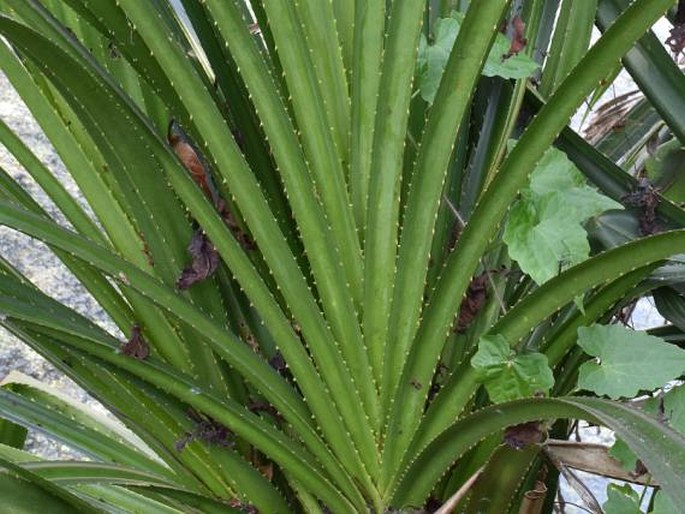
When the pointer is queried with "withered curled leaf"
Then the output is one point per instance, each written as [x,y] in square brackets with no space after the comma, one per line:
[676,38]
[193,162]
[190,159]
[266,408]
[518,41]
[646,197]
[241,506]
[476,294]
[241,236]
[205,261]
[525,434]
[277,362]
[136,346]
[207,430]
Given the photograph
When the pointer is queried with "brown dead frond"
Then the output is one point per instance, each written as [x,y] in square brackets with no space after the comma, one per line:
[611,116]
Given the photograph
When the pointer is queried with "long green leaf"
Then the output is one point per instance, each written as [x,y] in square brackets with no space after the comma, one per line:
[570,42]
[19,485]
[321,34]
[325,264]
[537,307]
[494,204]
[242,115]
[74,472]
[369,25]
[325,158]
[47,181]
[559,291]
[200,503]
[316,237]
[235,352]
[33,408]
[345,23]
[156,418]
[103,292]
[80,475]
[310,319]
[311,105]
[107,206]
[162,222]
[259,433]
[424,198]
[382,224]
[658,446]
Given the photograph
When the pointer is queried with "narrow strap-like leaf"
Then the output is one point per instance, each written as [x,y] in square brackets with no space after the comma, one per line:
[240,420]
[128,500]
[494,204]
[35,408]
[49,496]
[658,446]
[153,216]
[559,291]
[47,181]
[103,292]
[159,421]
[570,41]
[320,28]
[325,161]
[325,263]
[109,19]
[92,185]
[345,23]
[74,472]
[311,221]
[161,500]
[424,198]
[239,355]
[242,115]
[537,307]
[382,225]
[107,205]
[369,25]
[292,457]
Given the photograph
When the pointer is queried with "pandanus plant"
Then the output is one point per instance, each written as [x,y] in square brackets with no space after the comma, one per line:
[343,246]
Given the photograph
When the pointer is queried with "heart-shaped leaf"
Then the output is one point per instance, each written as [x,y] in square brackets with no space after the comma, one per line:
[627,362]
[508,375]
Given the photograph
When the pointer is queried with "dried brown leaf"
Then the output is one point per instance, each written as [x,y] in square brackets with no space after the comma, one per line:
[523,435]
[647,198]
[471,305]
[205,261]
[191,161]
[676,39]
[518,41]
[136,346]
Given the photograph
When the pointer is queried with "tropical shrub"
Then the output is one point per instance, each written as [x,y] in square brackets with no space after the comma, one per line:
[345,246]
